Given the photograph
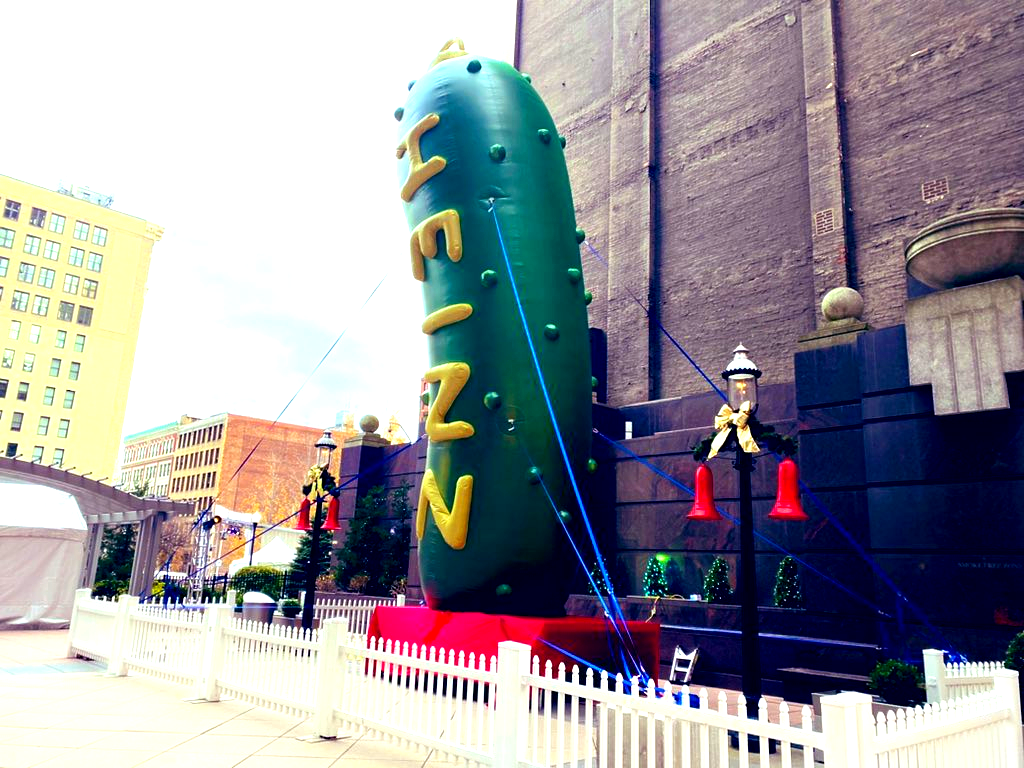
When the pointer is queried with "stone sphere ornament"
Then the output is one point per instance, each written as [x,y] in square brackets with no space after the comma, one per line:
[842,304]
[369,424]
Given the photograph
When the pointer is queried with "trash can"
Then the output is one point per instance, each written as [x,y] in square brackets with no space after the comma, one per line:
[258,607]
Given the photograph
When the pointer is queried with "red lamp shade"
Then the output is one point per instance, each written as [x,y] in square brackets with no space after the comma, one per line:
[331,523]
[787,500]
[302,524]
[704,496]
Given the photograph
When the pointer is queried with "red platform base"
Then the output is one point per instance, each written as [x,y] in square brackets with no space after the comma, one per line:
[480,633]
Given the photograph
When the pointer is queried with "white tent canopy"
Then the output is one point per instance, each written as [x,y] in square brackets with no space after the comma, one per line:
[278,552]
[42,532]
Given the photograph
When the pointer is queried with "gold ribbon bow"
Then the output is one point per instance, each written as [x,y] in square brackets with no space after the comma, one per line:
[315,481]
[726,419]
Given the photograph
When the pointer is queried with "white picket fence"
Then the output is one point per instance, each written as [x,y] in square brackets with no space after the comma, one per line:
[948,681]
[357,611]
[509,711]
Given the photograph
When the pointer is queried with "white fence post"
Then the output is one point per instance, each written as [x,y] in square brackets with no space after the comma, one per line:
[81,595]
[846,726]
[116,665]
[510,708]
[330,676]
[1005,682]
[214,619]
[400,600]
[935,675]
[230,597]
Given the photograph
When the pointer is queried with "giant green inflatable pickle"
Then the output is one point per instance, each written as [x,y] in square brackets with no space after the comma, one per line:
[475,135]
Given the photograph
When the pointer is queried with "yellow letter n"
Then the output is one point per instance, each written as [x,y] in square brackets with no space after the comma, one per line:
[453,524]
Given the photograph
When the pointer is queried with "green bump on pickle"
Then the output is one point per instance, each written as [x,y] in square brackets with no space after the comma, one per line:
[551,331]
[533,474]
[588,297]
[544,135]
[566,517]
[413,82]
[488,278]
[492,400]
[591,466]
[593,382]
[574,275]
[497,153]
[399,113]
[503,590]
[561,140]
[473,65]
[580,235]
[527,78]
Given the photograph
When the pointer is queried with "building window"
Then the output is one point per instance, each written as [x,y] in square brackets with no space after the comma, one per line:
[4,263]
[79,343]
[37,453]
[65,311]
[63,427]
[16,420]
[23,390]
[58,457]
[19,301]
[28,362]
[46,277]
[69,398]
[34,332]
[74,370]
[70,283]
[44,425]
[99,236]
[51,250]
[95,263]
[12,450]
[26,272]
[40,305]
[84,315]
[37,218]
[3,387]
[15,330]
[12,210]
[81,231]
[57,223]
[7,361]
[32,245]
[55,366]
[89,289]
[48,395]
[6,238]
[76,257]
[62,338]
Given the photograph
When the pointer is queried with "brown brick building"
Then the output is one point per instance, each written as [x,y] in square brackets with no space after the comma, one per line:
[735,161]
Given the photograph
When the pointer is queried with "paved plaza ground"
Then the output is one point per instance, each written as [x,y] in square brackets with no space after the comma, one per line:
[58,712]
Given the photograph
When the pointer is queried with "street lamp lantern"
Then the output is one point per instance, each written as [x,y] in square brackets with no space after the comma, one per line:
[324,448]
[741,376]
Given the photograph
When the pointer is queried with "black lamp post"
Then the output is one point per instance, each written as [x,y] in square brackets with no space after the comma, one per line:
[741,376]
[321,484]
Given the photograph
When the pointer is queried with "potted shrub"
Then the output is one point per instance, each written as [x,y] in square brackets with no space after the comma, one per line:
[716,582]
[291,607]
[898,683]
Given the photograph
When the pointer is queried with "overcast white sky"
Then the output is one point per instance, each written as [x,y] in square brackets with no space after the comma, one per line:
[261,137]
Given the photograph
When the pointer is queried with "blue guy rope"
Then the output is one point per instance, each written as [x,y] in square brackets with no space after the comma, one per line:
[551,413]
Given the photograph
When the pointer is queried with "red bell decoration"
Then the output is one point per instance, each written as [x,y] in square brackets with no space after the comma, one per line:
[787,500]
[331,523]
[704,496]
[302,524]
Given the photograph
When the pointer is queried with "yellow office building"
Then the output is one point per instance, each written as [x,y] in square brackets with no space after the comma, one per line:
[72,282]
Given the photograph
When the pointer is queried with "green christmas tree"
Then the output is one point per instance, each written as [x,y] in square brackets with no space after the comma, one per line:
[787,592]
[597,578]
[654,579]
[302,552]
[716,582]
[376,551]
